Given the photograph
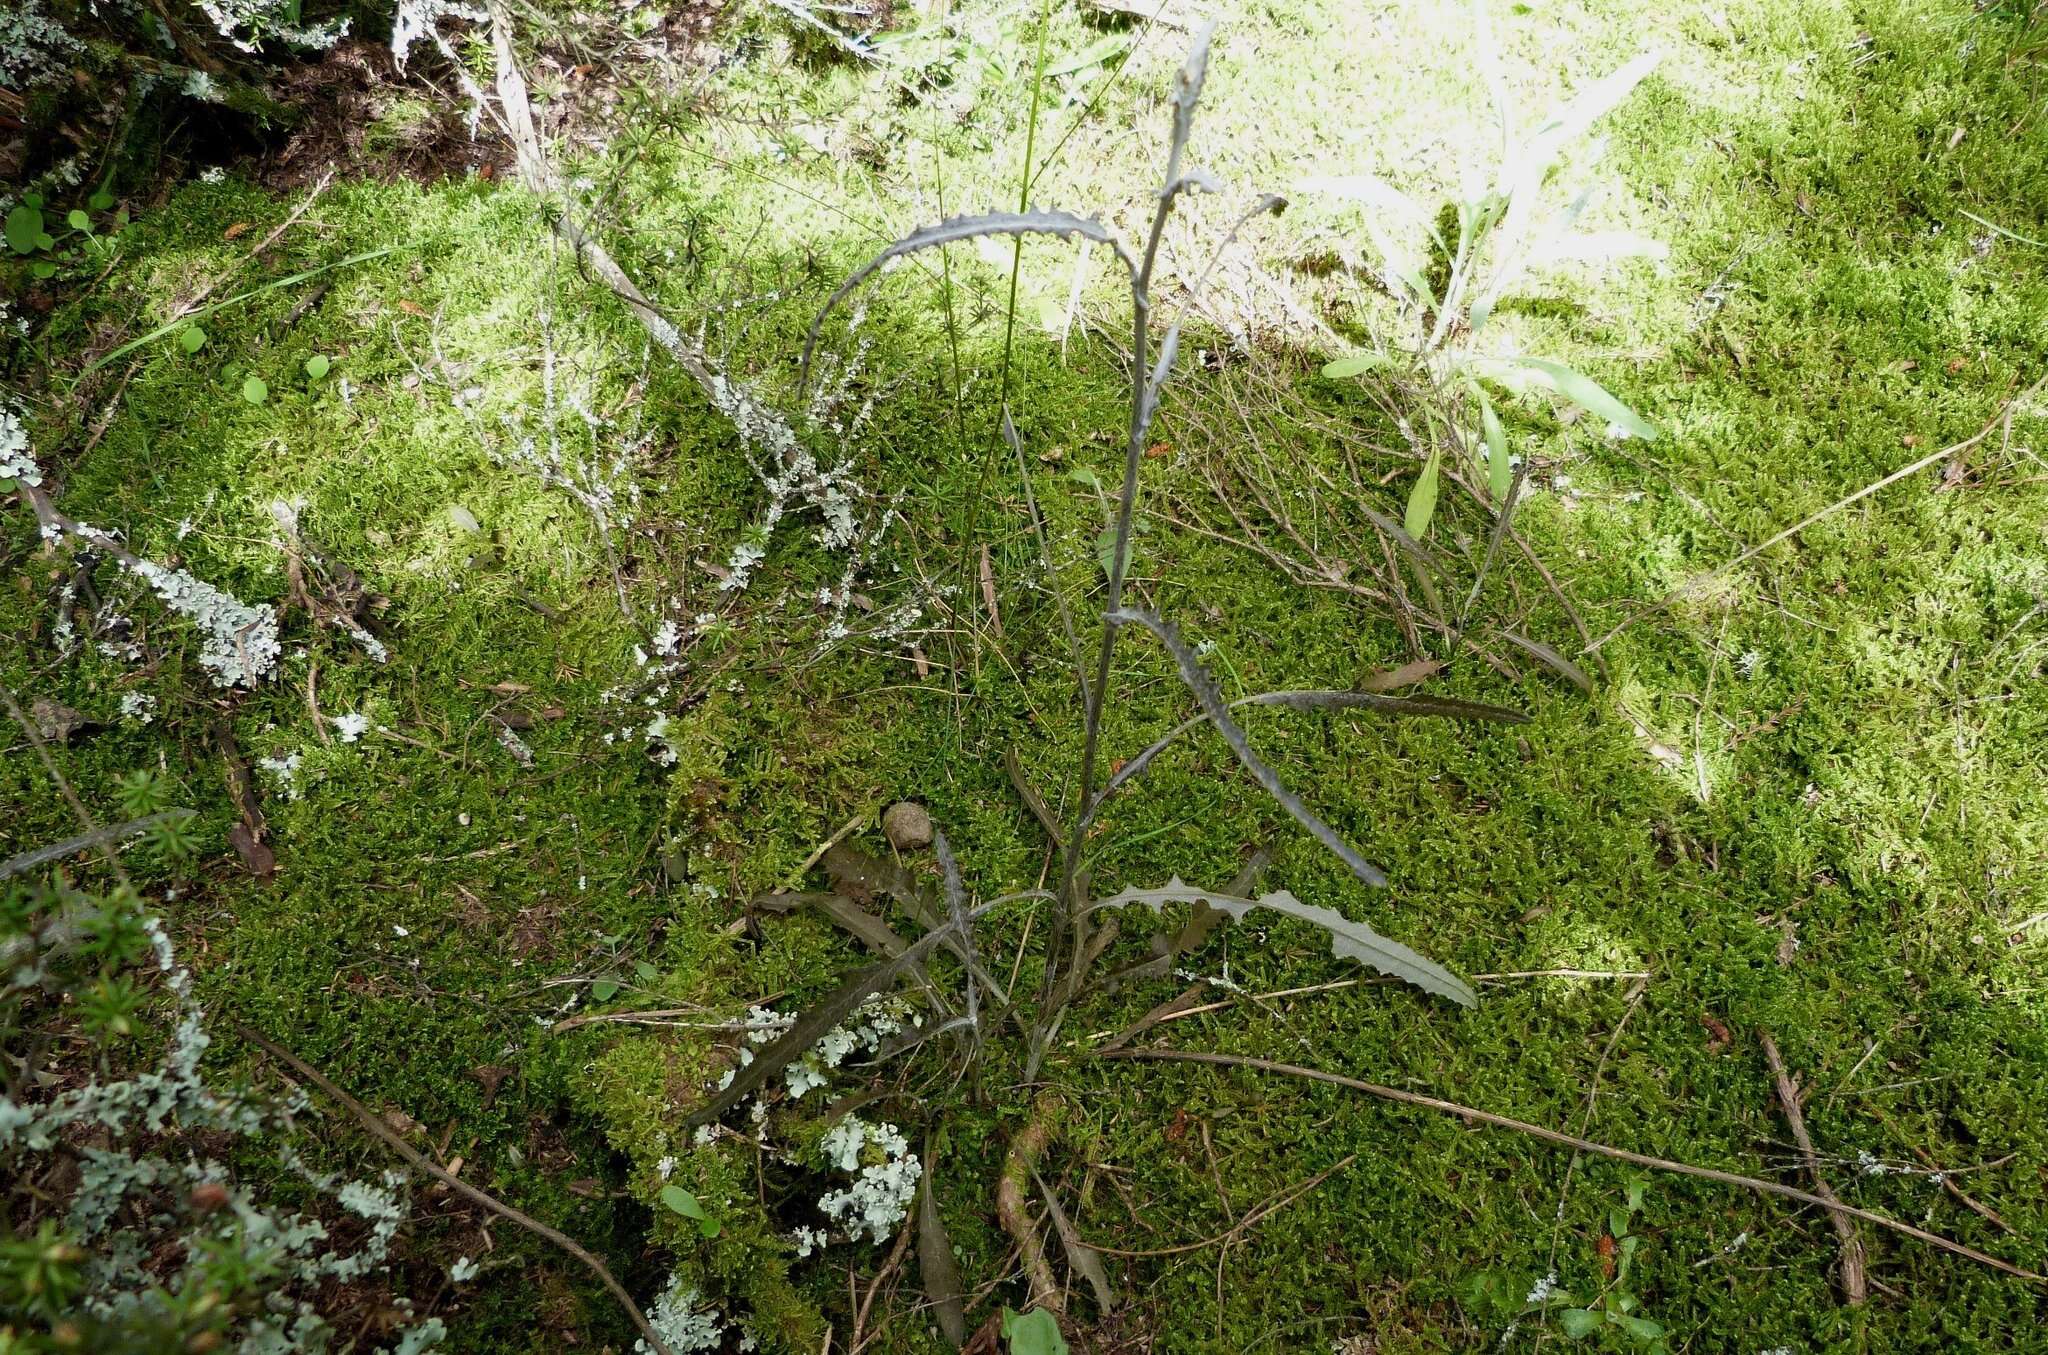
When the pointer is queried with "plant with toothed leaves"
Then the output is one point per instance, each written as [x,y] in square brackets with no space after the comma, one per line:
[1076,944]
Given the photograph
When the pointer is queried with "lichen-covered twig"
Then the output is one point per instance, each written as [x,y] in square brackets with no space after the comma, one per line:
[420,1161]
[1854,1278]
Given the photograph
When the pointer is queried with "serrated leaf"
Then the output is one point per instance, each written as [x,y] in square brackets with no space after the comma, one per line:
[1422,498]
[255,391]
[24,228]
[1349,940]
[1578,1323]
[191,338]
[317,365]
[1499,474]
[1583,390]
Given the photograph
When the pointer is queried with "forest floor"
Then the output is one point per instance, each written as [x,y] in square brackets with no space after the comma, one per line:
[1807,800]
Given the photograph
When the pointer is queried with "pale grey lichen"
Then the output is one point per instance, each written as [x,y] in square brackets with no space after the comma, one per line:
[238,642]
[417,19]
[678,1322]
[885,1181]
[33,47]
[16,461]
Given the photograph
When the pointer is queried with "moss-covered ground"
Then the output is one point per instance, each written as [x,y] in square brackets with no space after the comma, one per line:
[1809,800]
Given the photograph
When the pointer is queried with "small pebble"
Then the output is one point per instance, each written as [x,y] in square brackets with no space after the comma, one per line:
[907,826]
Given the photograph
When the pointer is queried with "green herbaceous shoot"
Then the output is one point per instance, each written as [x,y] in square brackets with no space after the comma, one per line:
[1024,677]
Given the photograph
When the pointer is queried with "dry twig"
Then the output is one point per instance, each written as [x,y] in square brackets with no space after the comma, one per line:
[1855,1281]
[418,1160]
[1584,1145]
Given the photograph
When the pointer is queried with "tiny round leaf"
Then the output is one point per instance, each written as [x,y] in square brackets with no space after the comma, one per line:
[255,391]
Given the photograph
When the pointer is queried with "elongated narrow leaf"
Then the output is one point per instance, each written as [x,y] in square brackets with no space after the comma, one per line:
[1349,940]
[1551,659]
[959,228]
[1373,191]
[816,1023]
[1094,54]
[1354,366]
[1422,498]
[1080,1255]
[1591,104]
[1583,390]
[1204,688]
[1499,473]
[936,1263]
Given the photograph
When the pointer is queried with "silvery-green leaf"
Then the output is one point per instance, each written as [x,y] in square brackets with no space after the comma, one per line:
[1349,940]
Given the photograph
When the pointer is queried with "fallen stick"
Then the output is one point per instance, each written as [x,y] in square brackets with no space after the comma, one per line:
[415,1158]
[1583,1145]
[1855,1281]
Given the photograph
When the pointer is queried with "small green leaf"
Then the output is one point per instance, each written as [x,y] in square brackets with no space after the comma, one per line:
[1617,1223]
[46,241]
[255,391]
[647,972]
[1578,1323]
[24,228]
[77,220]
[1499,473]
[1034,1333]
[317,365]
[100,200]
[191,338]
[1584,390]
[1422,498]
[604,990]
[1357,366]
[43,270]
[1642,1328]
[32,199]
[684,1203]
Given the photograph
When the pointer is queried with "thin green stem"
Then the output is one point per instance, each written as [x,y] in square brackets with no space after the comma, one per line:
[1016,268]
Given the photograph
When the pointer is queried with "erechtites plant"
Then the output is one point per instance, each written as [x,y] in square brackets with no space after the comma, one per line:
[1503,227]
[1070,952]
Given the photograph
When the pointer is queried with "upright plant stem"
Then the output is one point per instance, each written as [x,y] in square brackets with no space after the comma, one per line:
[1024,182]
[1144,394]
